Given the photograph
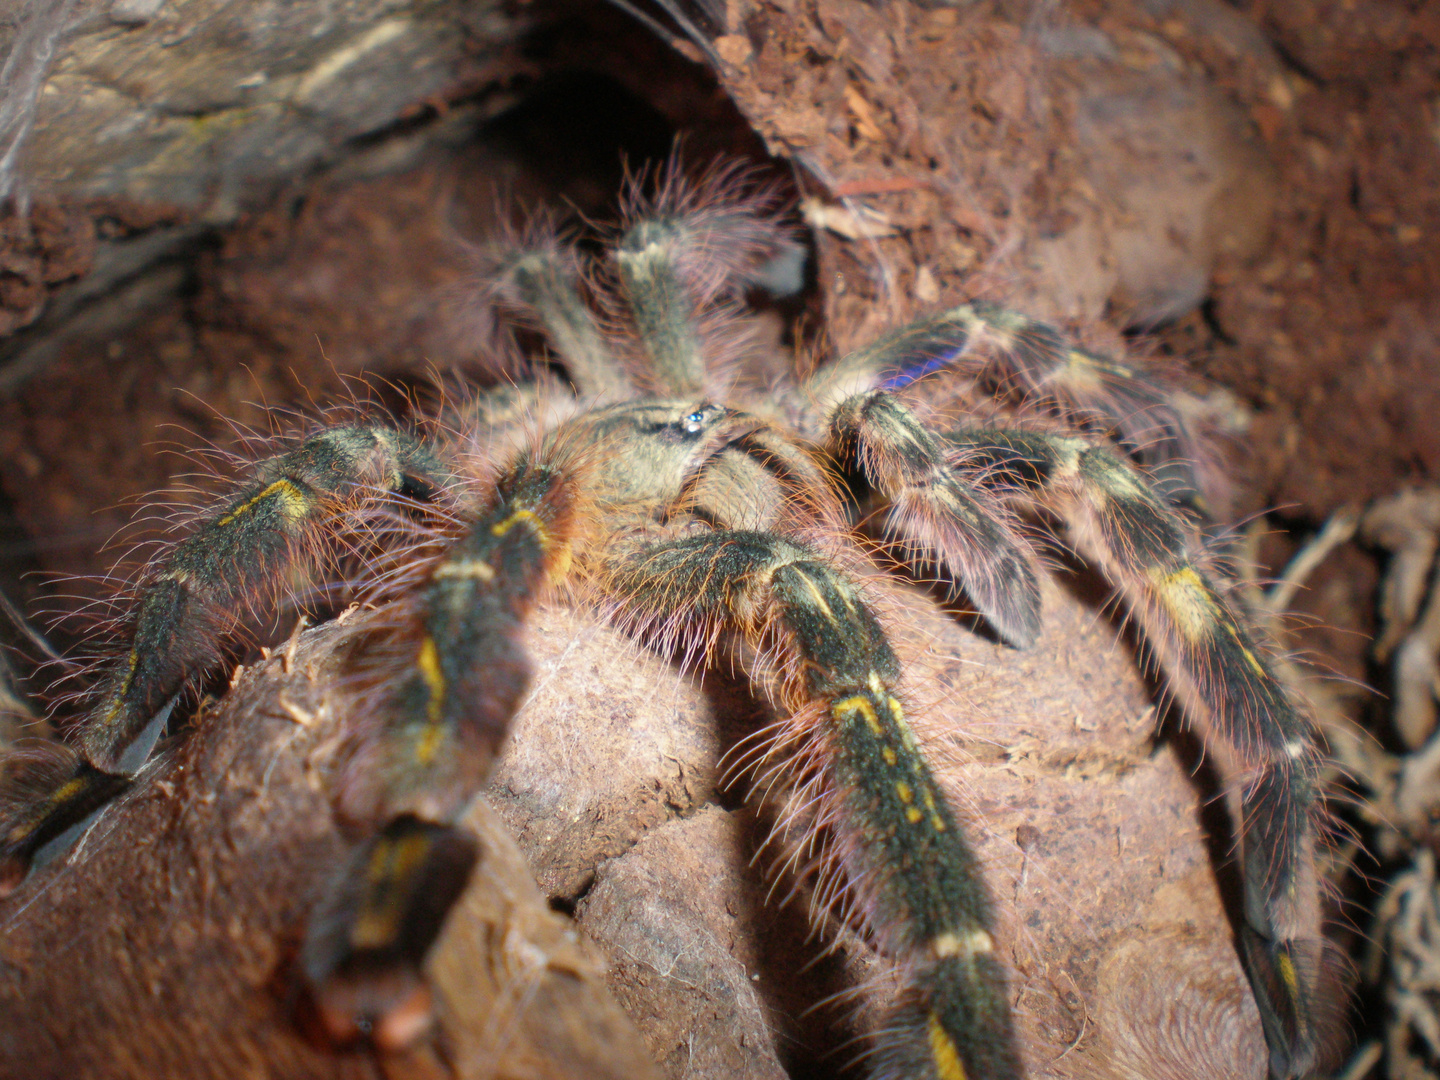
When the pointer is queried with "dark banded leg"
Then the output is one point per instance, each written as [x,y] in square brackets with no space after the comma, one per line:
[50,795]
[663,309]
[932,507]
[438,731]
[906,863]
[1030,361]
[193,601]
[1229,689]
[543,284]
[689,248]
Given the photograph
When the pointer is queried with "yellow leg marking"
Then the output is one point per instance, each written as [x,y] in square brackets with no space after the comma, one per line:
[67,791]
[889,755]
[433,737]
[429,664]
[1121,482]
[469,569]
[1098,363]
[502,527]
[914,814]
[1081,372]
[59,797]
[293,502]
[1185,596]
[429,744]
[936,821]
[972,943]
[816,596]
[943,1051]
[841,710]
[1286,967]
[559,554]
[377,925]
[111,714]
[1255,665]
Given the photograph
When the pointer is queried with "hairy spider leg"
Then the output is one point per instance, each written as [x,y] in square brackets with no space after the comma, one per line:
[686,250]
[935,509]
[1228,686]
[50,795]
[440,725]
[663,309]
[192,601]
[906,861]
[1033,361]
[542,283]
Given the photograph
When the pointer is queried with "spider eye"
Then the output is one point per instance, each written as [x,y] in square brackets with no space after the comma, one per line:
[695,421]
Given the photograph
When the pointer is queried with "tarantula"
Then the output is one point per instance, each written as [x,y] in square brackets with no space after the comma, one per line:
[700,527]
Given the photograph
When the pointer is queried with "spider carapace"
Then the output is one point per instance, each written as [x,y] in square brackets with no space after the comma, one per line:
[700,516]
